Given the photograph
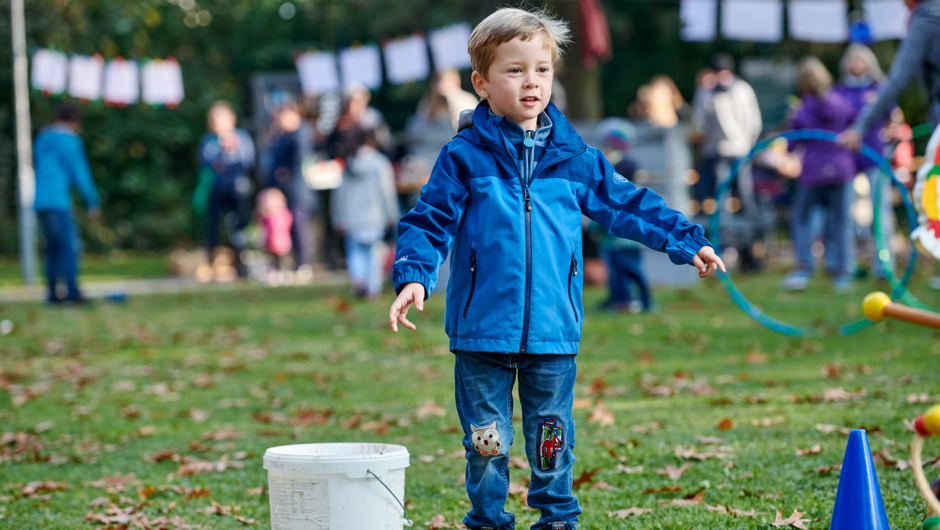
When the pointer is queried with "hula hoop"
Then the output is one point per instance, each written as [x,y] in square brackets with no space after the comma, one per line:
[917,466]
[898,288]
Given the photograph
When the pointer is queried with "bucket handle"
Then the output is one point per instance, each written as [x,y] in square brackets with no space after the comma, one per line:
[405,521]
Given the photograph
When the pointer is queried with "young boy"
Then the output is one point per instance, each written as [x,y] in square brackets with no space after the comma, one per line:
[61,165]
[505,198]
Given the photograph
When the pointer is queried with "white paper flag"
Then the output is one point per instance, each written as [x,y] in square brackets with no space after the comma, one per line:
[162,82]
[317,71]
[449,47]
[361,65]
[752,20]
[887,19]
[121,82]
[85,77]
[818,20]
[406,59]
[699,20]
[50,71]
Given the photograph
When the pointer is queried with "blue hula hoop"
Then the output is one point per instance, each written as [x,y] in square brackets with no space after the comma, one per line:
[898,288]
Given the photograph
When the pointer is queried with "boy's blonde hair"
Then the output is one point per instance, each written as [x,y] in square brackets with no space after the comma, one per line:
[508,23]
[813,76]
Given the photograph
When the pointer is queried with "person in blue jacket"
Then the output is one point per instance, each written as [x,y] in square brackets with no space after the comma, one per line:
[61,165]
[505,199]
[226,157]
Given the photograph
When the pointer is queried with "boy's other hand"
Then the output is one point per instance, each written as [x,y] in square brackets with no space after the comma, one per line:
[707,262]
[411,294]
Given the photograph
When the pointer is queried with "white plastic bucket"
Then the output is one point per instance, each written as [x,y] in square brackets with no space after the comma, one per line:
[337,486]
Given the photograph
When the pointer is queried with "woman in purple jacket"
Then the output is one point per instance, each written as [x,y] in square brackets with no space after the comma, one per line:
[826,178]
[860,82]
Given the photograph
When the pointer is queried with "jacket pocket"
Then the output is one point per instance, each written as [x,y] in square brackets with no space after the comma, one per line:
[473,281]
[571,274]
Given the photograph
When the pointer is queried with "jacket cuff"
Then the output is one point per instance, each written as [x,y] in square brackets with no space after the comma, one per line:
[691,245]
[404,278]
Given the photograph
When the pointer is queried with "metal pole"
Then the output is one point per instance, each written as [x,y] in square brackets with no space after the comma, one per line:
[26,181]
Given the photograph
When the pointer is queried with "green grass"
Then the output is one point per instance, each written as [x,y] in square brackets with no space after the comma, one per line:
[116,265]
[241,355]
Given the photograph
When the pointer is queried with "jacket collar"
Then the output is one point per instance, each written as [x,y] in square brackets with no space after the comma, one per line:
[563,140]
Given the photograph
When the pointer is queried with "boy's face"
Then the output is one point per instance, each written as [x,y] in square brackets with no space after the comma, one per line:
[518,84]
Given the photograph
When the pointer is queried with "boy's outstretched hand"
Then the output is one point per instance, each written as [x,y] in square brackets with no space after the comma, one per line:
[411,294]
[706,261]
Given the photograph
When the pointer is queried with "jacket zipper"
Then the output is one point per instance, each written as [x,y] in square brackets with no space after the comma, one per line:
[529,154]
[473,281]
[571,274]
[524,181]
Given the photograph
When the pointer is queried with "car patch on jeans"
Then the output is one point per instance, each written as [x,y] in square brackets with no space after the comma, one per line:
[551,439]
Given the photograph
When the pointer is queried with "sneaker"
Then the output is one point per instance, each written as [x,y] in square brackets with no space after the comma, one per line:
[843,284]
[795,281]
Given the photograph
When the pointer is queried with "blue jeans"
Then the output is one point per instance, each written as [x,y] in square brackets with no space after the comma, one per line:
[61,252]
[625,267]
[365,271]
[483,386]
[836,201]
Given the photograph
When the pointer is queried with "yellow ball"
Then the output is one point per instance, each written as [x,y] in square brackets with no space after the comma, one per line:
[932,420]
[873,306]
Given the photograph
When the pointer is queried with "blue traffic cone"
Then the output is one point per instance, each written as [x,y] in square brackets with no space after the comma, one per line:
[859,505]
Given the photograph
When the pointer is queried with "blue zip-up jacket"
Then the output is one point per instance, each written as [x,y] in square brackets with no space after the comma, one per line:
[515,238]
[61,164]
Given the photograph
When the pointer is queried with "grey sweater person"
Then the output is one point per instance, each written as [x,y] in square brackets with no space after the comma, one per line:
[920,54]
[366,200]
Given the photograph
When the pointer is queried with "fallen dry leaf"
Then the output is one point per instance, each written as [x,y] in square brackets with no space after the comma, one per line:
[437,522]
[795,520]
[814,450]
[429,408]
[582,404]
[731,511]
[647,428]
[664,489]
[597,386]
[825,469]
[675,473]
[115,483]
[586,478]
[692,499]
[600,414]
[628,470]
[725,424]
[708,440]
[627,512]
[826,428]
[767,422]
[755,357]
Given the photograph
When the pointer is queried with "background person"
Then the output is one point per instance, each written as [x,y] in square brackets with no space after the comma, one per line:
[623,256]
[825,180]
[292,143]
[226,157]
[365,206]
[61,166]
[859,84]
